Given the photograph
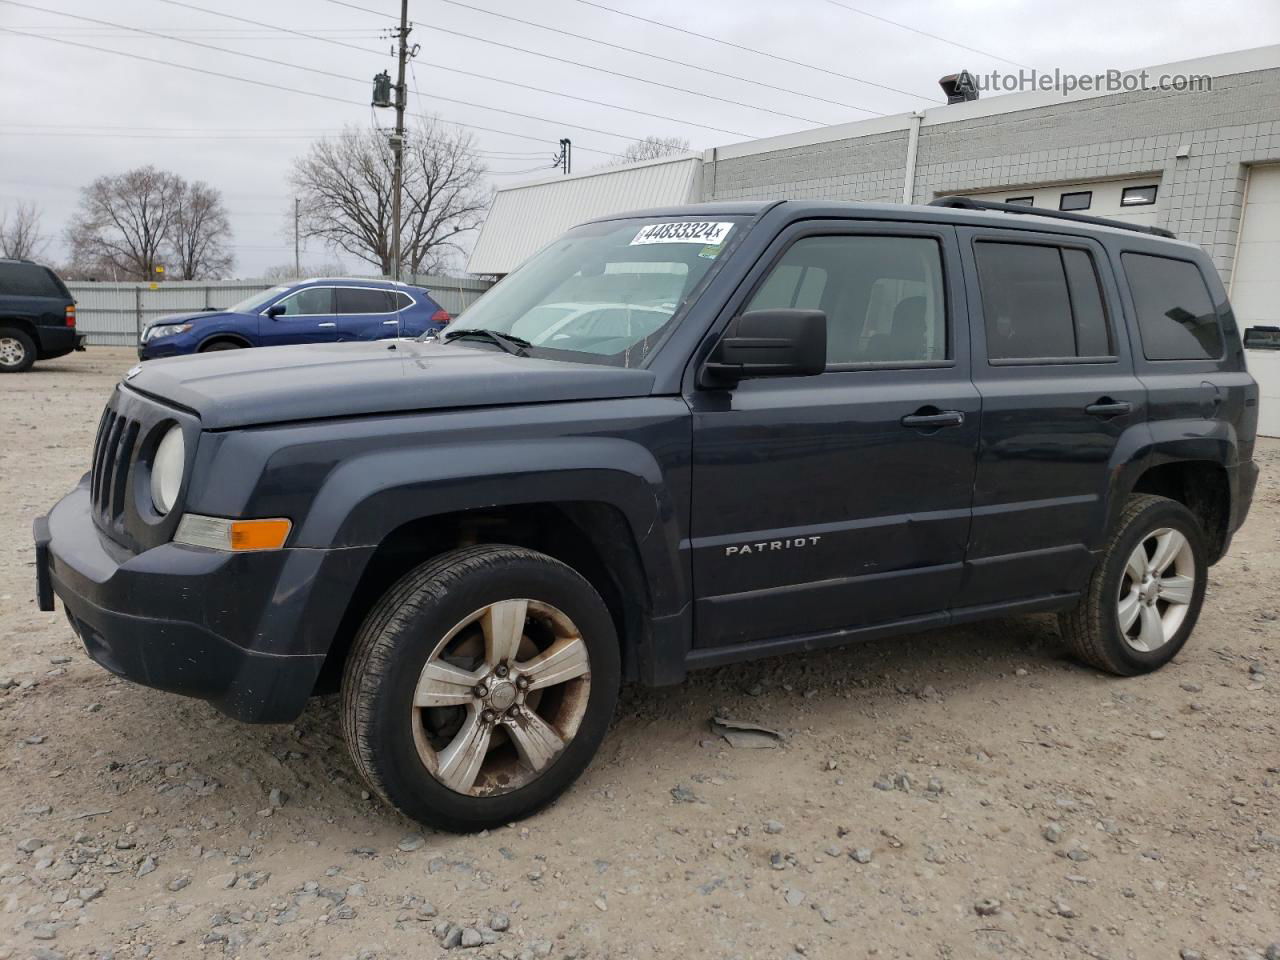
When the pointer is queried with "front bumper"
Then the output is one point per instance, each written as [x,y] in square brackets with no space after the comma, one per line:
[247,631]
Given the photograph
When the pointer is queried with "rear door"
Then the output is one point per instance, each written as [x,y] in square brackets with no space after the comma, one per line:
[308,318]
[1059,393]
[366,313]
[840,500]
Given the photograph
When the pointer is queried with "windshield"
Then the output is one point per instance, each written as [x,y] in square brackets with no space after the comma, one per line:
[604,292]
[255,301]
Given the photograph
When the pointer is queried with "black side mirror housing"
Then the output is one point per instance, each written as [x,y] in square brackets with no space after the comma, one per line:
[769,343]
[275,310]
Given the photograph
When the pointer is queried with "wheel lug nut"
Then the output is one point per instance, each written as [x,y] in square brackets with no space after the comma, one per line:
[487,716]
[522,682]
[513,712]
[502,670]
[481,690]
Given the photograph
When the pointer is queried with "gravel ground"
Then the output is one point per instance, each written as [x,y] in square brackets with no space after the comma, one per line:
[966,793]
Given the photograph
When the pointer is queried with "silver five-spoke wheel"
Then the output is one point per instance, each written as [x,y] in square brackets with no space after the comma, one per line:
[1156,589]
[500,697]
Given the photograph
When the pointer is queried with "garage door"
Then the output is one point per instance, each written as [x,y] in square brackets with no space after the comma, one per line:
[1255,284]
[1133,198]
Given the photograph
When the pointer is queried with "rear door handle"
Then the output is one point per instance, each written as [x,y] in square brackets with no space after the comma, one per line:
[390,323]
[1106,407]
[326,324]
[931,421]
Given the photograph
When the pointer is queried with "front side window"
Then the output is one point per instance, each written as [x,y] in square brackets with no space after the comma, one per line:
[604,292]
[1175,312]
[312,301]
[362,300]
[1041,302]
[883,296]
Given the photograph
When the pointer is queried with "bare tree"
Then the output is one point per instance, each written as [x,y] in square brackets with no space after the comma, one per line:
[286,271]
[200,234]
[345,187]
[125,223]
[20,236]
[651,148]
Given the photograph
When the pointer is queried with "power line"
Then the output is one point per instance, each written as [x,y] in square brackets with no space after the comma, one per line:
[659,57]
[276,86]
[923,33]
[270,26]
[357,80]
[612,73]
[739,46]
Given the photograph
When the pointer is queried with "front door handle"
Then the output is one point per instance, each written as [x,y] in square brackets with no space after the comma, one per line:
[326,324]
[1106,407]
[931,421]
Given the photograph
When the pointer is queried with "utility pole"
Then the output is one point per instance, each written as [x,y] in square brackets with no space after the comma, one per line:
[566,156]
[397,138]
[297,261]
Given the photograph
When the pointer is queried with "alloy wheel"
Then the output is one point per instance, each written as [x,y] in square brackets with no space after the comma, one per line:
[500,697]
[12,352]
[1156,589]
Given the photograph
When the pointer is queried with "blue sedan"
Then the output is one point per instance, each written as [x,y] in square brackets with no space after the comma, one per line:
[322,310]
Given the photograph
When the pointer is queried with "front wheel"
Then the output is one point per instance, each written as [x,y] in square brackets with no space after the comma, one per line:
[1145,595]
[480,686]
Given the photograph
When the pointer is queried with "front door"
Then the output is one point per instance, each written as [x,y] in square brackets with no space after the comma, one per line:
[308,317]
[1058,395]
[841,500]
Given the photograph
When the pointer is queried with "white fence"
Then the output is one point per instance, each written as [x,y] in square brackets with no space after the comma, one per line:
[113,314]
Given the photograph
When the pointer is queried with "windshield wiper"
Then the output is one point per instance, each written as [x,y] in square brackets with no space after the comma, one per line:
[516,346]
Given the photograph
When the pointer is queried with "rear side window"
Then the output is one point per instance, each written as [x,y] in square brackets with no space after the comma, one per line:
[1175,312]
[403,300]
[1041,302]
[363,300]
[29,280]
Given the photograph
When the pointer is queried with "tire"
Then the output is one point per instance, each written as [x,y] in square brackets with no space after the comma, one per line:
[406,731]
[17,350]
[1096,630]
[221,345]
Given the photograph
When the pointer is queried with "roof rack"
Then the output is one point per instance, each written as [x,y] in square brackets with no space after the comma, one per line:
[969,203]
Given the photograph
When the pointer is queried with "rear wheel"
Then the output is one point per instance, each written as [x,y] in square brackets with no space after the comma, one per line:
[480,686]
[17,350]
[1145,596]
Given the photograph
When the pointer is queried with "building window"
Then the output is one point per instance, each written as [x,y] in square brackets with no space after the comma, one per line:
[1076,201]
[1138,196]
[1175,312]
[1022,201]
[1041,303]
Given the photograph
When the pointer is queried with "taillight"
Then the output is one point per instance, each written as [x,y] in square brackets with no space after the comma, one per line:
[441,318]
[71,315]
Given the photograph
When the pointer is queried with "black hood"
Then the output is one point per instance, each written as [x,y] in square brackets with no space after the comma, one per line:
[239,388]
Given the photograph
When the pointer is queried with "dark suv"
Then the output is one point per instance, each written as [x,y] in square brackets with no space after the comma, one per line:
[673,439]
[37,316]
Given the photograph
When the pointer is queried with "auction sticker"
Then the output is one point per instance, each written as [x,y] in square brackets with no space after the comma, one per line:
[707,232]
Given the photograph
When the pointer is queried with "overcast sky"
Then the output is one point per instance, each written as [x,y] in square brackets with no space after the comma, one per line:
[68,114]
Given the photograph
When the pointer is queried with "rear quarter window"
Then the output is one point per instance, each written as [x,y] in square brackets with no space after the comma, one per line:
[30,280]
[1176,316]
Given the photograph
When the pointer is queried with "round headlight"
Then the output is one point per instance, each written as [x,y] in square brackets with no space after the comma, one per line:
[166,469]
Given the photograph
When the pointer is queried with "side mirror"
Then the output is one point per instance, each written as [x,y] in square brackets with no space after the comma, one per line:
[769,343]
[275,310]
[1262,338]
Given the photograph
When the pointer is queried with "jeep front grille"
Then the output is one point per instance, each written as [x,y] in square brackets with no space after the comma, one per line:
[112,457]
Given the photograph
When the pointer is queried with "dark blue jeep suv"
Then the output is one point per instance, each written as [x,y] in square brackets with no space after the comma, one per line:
[320,310]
